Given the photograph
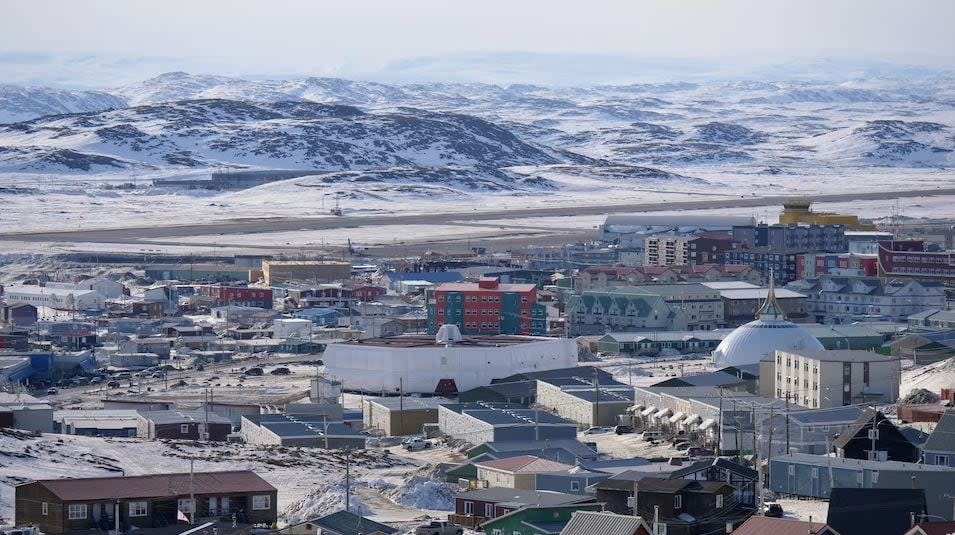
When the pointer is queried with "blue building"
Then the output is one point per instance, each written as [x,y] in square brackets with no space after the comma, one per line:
[325,317]
[816,475]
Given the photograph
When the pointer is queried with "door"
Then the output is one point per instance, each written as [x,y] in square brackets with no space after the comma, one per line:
[213,506]
[97,513]
[224,501]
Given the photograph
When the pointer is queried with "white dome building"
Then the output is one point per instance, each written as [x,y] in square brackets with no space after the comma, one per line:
[750,343]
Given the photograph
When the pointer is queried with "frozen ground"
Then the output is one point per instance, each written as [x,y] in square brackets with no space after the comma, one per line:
[308,479]
[932,377]
[815,510]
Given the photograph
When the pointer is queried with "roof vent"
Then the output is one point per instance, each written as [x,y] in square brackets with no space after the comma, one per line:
[448,334]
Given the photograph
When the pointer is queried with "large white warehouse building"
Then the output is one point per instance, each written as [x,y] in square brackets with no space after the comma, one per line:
[421,364]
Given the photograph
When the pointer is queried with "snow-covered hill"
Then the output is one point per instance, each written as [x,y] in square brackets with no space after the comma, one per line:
[278,135]
[889,141]
[20,103]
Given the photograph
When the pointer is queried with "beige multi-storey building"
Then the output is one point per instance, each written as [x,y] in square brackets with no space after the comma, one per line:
[304,271]
[666,250]
[830,378]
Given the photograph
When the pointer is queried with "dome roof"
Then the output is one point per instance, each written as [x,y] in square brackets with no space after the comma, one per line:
[750,343]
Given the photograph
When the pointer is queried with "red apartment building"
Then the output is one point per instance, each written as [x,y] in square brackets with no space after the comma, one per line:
[908,258]
[237,295]
[487,307]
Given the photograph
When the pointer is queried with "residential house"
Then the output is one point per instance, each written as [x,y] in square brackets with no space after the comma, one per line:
[339,523]
[536,519]
[687,507]
[765,525]
[65,505]
[931,527]
[474,507]
[742,478]
[605,523]
[183,425]
[939,449]
[857,511]
[325,317]
[563,450]
[875,438]
[518,472]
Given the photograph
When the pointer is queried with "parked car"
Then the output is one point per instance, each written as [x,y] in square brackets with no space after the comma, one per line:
[52,391]
[683,446]
[652,435]
[113,384]
[595,430]
[623,429]
[96,380]
[416,444]
[281,371]
[699,452]
[773,509]
[439,527]
[254,372]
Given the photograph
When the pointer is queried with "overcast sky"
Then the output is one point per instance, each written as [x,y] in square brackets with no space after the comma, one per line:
[59,39]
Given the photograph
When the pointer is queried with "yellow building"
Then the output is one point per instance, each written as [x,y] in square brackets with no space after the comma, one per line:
[801,212]
[306,271]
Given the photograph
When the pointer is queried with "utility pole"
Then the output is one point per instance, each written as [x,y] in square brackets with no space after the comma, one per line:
[401,404]
[636,511]
[719,426]
[596,397]
[347,479]
[873,433]
[192,492]
[787,423]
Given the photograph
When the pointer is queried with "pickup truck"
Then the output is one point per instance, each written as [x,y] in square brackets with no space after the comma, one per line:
[416,444]
[439,527]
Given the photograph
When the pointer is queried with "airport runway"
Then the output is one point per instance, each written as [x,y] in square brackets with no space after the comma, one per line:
[168,234]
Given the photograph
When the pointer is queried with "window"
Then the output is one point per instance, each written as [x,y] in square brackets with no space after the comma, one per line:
[184,429]
[791,469]
[497,532]
[44,508]
[469,508]
[815,472]
[489,510]
[77,511]
[677,501]
[719,501]
[137,508]
[185,505]
[575,485]
[859,479]
[875,477]
[261,502]
[941,460]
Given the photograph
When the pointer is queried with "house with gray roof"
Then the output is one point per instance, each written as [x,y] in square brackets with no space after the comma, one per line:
[605,523]
[939,449]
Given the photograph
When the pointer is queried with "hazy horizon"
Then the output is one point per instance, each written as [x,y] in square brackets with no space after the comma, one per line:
[110,43]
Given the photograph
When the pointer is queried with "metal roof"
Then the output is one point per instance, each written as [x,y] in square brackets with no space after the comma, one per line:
[156,486]
[942,438]
[604,523]
[519,496]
